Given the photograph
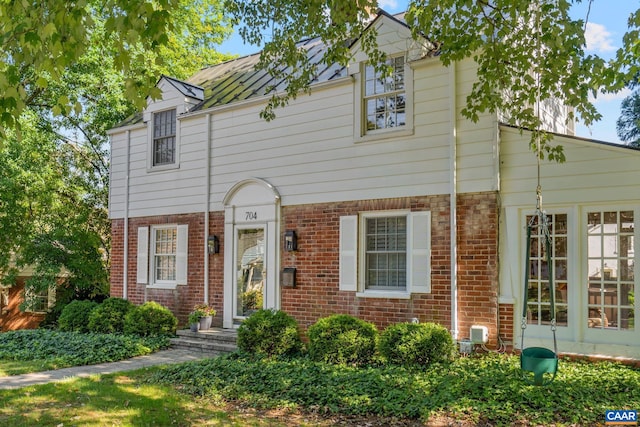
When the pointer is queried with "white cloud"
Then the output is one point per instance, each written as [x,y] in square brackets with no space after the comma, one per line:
[598,38]
[388,4]
[608,97]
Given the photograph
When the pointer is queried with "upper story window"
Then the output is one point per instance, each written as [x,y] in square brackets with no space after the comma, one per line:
[164,138]
[384,97]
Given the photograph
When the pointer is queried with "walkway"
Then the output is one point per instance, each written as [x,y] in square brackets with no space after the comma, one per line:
[163,357]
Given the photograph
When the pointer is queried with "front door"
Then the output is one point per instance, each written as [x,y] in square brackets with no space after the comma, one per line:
[251,257]
[250,271]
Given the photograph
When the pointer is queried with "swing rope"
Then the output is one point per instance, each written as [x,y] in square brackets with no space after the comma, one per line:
[534,359]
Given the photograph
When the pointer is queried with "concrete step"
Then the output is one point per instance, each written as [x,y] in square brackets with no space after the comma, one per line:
[210,341]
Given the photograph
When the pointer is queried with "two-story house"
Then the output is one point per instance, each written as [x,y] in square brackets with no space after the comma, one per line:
[374,197]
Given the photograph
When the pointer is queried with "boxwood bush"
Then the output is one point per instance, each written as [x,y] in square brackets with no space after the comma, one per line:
[75,316]
[270,333]
[108,317]
[342,339]
[416,344]
[150,319]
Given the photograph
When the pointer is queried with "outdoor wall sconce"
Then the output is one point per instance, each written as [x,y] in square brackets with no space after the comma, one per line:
[213,245]
[290,241]
[289,277]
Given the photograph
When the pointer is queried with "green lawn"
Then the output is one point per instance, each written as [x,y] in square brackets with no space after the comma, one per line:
[237,390]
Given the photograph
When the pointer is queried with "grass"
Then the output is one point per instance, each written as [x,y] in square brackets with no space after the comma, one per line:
[118,400]
[238,390]
[18,367]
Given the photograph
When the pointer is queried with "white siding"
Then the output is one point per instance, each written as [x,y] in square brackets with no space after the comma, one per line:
[309,153]
[592,172]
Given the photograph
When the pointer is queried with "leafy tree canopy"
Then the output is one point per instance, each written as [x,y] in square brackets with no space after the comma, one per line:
[512,41]
[54,148]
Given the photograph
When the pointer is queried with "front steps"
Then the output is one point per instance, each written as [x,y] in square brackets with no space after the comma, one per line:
[212,341]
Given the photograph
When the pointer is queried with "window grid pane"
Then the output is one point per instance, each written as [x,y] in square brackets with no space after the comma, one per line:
[610,258]
[385,99]
[165,254]
[538,293]
[164,137]
[386,253]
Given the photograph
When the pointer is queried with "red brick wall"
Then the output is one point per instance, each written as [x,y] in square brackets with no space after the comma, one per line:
[11,318]
[317,258]
[181,300]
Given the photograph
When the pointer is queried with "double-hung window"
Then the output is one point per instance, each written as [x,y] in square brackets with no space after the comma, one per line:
[384,96]
[385,254]
[162,255]
[164,138]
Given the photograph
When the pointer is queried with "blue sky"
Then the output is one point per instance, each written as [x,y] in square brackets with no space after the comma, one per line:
[607,24]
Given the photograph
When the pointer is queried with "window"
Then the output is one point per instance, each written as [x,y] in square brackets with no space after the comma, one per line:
[538,298]
[385,97]
[385,254]
[611,260]
[38,301]
[162,256]
[164,138]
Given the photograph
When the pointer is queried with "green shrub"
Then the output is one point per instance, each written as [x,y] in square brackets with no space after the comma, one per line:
[149,319]
[270,333]
[416,344]
[342,339]
[108,317]
[75,316]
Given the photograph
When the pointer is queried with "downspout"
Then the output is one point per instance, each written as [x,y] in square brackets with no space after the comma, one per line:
[453,195]
[207,199]
[125,279]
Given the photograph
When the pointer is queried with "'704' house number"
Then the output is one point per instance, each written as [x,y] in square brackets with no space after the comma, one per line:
[250,216]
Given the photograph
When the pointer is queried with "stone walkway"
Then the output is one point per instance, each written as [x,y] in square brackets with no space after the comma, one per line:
[163,357]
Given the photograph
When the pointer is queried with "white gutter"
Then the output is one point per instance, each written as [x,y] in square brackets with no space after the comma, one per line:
[453,194]
[207,198]
[125,280]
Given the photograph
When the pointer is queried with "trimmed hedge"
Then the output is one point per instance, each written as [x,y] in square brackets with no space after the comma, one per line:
[416,344]
[342,339]
[270,333]
[150,319]
[75,316]
[109,316]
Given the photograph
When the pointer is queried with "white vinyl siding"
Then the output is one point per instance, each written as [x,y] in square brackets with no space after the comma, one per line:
[389,249]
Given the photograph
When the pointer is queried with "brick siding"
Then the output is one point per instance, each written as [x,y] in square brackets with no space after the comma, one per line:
[317,259]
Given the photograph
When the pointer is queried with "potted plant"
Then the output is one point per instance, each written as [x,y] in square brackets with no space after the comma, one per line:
[207,315]
[194,320]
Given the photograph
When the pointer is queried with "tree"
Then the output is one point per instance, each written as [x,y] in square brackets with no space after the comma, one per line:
[54,179]
[628,124]
[513,42]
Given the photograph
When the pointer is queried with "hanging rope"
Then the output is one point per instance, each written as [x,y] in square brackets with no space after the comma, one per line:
[535,359]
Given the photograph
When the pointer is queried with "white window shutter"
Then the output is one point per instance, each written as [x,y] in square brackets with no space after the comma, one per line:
[420,255]
[142,273]
[348,276]
[182,247]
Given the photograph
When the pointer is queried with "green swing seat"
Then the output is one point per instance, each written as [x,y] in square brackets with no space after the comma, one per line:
[538,361]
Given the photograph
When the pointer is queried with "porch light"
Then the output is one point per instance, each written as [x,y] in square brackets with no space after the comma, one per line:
[213,245]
